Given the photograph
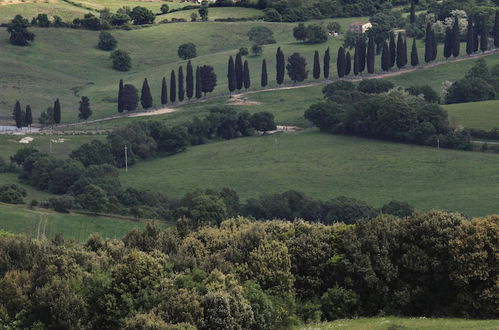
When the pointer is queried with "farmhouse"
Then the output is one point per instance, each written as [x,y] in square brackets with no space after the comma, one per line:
[360,27]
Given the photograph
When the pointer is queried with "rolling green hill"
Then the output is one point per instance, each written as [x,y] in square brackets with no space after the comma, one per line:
[386,323]
[325,166]
[40,73]
[44,223]
[484,115]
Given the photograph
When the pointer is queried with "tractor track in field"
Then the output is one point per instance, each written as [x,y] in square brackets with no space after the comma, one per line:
[239,96]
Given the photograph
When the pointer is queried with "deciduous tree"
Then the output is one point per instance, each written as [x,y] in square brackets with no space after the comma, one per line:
[297,67]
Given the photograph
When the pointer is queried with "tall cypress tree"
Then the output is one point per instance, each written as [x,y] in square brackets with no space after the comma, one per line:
[341,62]
[414,53]
[386,61]
[427,44]
[164,93]
[231,74]
[393,49]
[280,66]
[476,39]
[17,114]
[412,15]
[371,54]
[433,45]
[181,91]
[120,96]
[145,95]
[246,75]
[401,51]
[264,77]
[469,37]
[484,40]
[448,43]
[84,109]
[239,71]
[327,62]
[496,30]
[348,62]
[456,38]
[361,45]
[57,112]
[199,91]
[189,81]
[356,64]
[317,66]
[28,116]
[173,88]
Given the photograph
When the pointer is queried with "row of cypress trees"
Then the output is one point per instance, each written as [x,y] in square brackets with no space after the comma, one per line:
[392,53]
[189,86]
[25,118]
[238,74]
[22,118]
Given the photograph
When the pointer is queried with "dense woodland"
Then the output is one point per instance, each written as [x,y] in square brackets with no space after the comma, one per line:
[253,275]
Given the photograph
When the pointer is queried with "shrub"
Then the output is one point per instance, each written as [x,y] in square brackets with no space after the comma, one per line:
[61,204]
[121,60]
[106,41]
[374,86]
[338,303]
[142,15]
[428,93]
[261,35]
[398,209]
[470,90]
[12,194]
[338,85]
[187,51]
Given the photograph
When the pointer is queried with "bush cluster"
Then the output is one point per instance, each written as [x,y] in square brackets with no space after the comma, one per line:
[252,275]
[394,115]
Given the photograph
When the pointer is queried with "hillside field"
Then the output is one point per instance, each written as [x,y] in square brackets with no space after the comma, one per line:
[39,74]
[40,222]
[325,166]
[420,323]
[484,115]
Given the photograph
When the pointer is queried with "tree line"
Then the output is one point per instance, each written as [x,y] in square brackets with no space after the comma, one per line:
[194,84]
[374,109]
[252,275]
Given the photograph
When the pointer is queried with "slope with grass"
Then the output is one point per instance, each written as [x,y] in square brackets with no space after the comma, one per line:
[56,145]
[482,115]
[325,166]
[399,323]
[30,9]
[214,13]
[39,74]
[44,223]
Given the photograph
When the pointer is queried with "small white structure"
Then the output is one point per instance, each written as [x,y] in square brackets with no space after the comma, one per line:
[360,27]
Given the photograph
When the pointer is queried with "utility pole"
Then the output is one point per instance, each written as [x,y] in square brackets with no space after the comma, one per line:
[126,159]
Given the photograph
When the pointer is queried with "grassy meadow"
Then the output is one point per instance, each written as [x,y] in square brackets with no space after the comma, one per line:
[399,323]
[31,8]
[326,166]
[483,115]
[40,223]
[56,145]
